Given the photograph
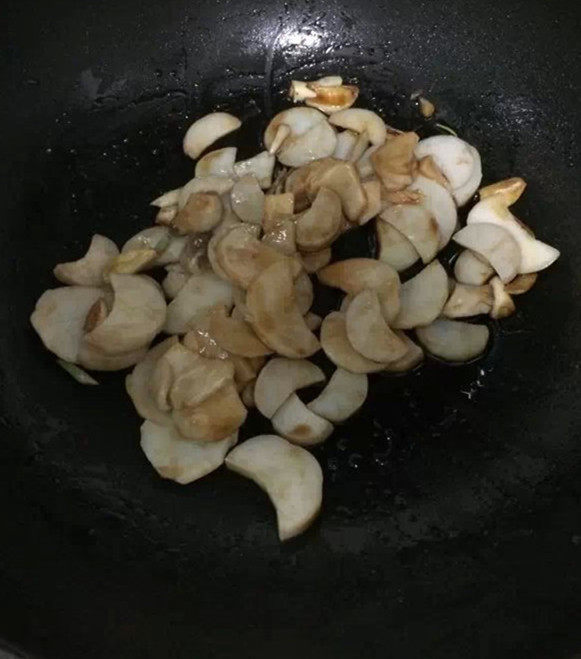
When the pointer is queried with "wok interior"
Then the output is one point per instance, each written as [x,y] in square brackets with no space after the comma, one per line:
[434,454]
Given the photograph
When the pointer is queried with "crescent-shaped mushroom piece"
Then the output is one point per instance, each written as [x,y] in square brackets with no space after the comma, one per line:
[290,476]
[89,270]
[453,340]
[422,297]
[207,130]
[275,316]
[137,315]
[216,163]
[342,397]
[418,225]
[361,121]
[297,423]
[439,203]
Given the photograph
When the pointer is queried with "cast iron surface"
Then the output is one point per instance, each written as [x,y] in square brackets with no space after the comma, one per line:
[451,523]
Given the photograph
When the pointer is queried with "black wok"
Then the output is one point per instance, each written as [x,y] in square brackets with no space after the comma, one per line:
[451,523]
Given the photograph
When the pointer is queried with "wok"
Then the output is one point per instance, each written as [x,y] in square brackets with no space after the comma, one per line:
[451,523]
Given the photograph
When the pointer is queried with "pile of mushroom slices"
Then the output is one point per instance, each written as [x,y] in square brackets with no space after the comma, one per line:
[239,243]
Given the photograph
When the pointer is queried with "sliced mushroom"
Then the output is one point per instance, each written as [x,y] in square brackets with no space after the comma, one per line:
[167,199]
[236,336]
[217,184]
[313,321]
[360,149]
[314,261]
[280,378]
[207,130]
[200,292]
[247,395]
[219,232]
[509,190]
[452,156]
[440,204]
[277,207]
[300,91]
[274,314]
[200,339]
[153,238]
[217,163]
[502,305]
[418,225]
[393,247]
[282,237]
[342,397]
[338,348]
[179,459]
[131,262]
[360,121]
[521,284]
[166,215]
[453,340]
[218,417]
[59,318]
[393,162]
[89,270]
[261,166]
[290,476]
[466,192]
[342,178]
[300,425]
[243,257]
[534,254]
[202,212]
[246,369]
[368,332]
[303,291]
[298,182]
[493,243]
[413,357]
[423,297]
[471,269]
[282,132]
[97,360]
[317,227]
[332,98]
[137,315]
[427,167]
[467,300]
[374,204]
[247,200]
[138,384]
[346,140]
[354,275]
[363,164]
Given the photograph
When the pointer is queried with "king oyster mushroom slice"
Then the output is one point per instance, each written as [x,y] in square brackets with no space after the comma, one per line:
[452,156]
[247,394]
[342,397]
[310,137]
[374,204]
[360,120]
[360,149]
[509,190]
[227,224]
[243,257]
[199,293]
[261,166]
[502,305]
[277,208]
[97,360]
[216,418]
[247,200]
[182,378]
[427,167]
[179,459]
[304,294]
[332,98]
[290,476]
[464,194]
[418,225]
[89,270]
[131,262]
[236,335]
[274,314]
[453,340]
[412,358]
[534,254]
[467,300]
[167,199]
[151,238]
[354,275]
[393,162]
[368,332]
[174,281]
[282,237]
[207,130]
[137,315]
[59,318]
[202,212]
[521,284]
[440,204]
[338,348]
[218,184]
[246,369]
[314,261]
[317,227]
[346,140]
[217,163]
[313,321]
[280,378]
[294,421]
[493,243]
[342,178]
[363,163]
[200,339]
[422,297]
[471,269]
[393,247]
[137,384]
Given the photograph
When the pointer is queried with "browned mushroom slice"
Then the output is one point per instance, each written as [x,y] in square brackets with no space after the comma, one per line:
[468,301]
[394,248]
[216,418]
[521,284]
[275,316]
[368,332]
[361,121]
[332,99]
[236,336]
[418,225]
[216,163]
[393,162]
[502,305]
[202,212]
[343,179]
[282,237]
[247,200]
[374,204]
[317,227]
[89,270]
[277,207]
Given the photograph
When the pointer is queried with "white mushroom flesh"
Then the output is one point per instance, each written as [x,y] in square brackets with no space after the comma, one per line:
[89,270]
[360,120]
[346,140]
[418,225]
[151,238]
[260,166]
[207,130]
[440,204]
[247,200]
[294,421]
[422,297]
[471,269]
[342,397]
[394,248]
[216,163]
[502,305]
[467,300]
[453,340]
